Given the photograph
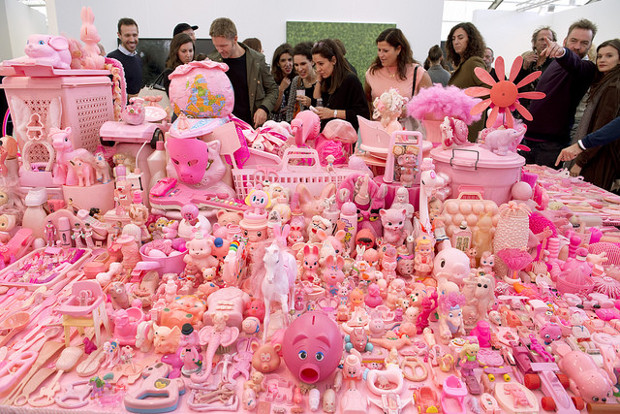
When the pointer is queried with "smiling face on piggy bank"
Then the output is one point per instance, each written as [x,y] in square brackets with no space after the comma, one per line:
[451,264]
[312,347]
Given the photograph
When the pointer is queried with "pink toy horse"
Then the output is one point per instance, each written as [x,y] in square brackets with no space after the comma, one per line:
[278,282]
[82,172]
[65,154]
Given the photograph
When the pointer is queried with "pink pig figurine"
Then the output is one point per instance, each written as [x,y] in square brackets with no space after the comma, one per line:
[49,50]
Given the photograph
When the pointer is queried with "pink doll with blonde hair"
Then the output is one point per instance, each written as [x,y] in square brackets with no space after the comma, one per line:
[423,262]
[388,107]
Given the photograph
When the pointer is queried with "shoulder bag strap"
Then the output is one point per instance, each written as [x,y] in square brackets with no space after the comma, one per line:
[415,78]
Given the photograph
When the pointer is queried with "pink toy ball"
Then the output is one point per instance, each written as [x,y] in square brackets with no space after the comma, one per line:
[521,191]
[312,347]
[202,90]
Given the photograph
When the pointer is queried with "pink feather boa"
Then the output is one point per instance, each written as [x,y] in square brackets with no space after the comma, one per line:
[438,101]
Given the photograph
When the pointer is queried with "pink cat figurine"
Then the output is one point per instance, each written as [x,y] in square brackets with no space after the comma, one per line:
[393,221]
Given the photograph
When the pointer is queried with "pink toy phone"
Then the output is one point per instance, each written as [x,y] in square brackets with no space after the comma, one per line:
[163,186]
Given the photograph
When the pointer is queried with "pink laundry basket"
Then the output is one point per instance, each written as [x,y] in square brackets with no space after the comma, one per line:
[85,101]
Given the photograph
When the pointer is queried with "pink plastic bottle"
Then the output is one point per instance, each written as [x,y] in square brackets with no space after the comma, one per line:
[348,218]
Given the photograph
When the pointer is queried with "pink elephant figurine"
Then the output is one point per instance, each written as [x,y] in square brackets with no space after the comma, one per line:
[502,141]
[214,336]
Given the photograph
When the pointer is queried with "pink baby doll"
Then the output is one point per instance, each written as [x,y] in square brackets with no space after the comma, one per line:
[423,257]
[393,221]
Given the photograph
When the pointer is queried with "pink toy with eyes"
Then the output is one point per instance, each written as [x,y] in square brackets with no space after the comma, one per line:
[407,163]
[393,221]
[424,256]
[49,50]
[199,255]
[331,245]
[312,347]
[332,273]
[550,332]
[310,263]
[449,309]
[373,298]
[389,264]
[259,200]
[487,261]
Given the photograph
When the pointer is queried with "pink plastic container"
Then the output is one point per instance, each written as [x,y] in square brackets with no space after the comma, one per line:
[85,101]
[473,165]
[172,264]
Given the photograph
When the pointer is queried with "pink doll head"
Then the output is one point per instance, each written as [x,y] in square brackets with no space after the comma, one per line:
[424,245]
[352,368]
[372,257]
[356,298]
[550,332]
[201,89]
[259,200]
[332,273]
[405,265]
[312,357]
[196,162]
[49,50]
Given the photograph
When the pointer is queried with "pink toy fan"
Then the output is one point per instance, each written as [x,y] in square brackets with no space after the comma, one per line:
[503,95]
[516,260]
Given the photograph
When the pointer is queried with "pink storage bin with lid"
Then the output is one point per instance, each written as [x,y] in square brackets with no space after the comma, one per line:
[473,165]
[85,100]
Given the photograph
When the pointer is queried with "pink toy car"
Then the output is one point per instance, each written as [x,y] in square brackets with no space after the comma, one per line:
[312,347]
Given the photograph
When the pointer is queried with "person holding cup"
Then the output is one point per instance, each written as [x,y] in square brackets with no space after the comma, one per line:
[302,85]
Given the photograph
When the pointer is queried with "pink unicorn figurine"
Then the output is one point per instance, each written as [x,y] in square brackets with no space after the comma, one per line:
[65,153]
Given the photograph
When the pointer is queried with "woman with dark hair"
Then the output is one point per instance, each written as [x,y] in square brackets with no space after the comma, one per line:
[302,86]
[601,165]
[181,52]
[465,49]
[282,71]
[339,89]
[394,67]
[435,70]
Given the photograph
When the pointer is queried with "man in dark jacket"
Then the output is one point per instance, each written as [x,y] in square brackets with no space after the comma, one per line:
[255,90]
[564,82]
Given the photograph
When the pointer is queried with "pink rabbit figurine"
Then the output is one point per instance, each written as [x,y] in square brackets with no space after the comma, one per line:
[90,37]
[332,273]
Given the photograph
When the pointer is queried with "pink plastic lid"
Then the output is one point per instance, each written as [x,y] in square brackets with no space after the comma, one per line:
[475,156]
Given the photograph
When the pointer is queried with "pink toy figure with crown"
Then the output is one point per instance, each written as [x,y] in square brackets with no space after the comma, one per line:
[389,106]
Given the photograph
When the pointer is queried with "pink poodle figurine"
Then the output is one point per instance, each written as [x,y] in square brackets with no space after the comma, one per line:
[449,309]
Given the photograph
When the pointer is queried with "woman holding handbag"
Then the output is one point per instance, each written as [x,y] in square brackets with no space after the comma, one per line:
[396,68]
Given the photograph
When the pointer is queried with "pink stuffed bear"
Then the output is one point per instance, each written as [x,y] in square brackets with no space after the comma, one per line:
[199,254]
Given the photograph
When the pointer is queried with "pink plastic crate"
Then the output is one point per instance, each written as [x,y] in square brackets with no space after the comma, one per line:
[86,103]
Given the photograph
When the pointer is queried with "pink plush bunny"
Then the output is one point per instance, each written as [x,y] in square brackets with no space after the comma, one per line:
[90,37]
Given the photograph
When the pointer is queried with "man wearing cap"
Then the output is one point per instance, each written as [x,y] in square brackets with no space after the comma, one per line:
[255,90]
[128,55]
[185,28]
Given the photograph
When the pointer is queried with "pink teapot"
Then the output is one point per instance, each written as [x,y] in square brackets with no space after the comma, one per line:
[133,114]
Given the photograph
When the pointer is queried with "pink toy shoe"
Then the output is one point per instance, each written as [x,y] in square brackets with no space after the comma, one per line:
[453,396]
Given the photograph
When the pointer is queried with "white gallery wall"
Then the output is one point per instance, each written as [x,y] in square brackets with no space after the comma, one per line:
[17,22]
[420,20]
[509,33]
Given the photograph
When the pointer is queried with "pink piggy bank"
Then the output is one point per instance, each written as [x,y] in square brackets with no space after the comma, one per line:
[312,347]
[451,264]
[49,50]
[586,379]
